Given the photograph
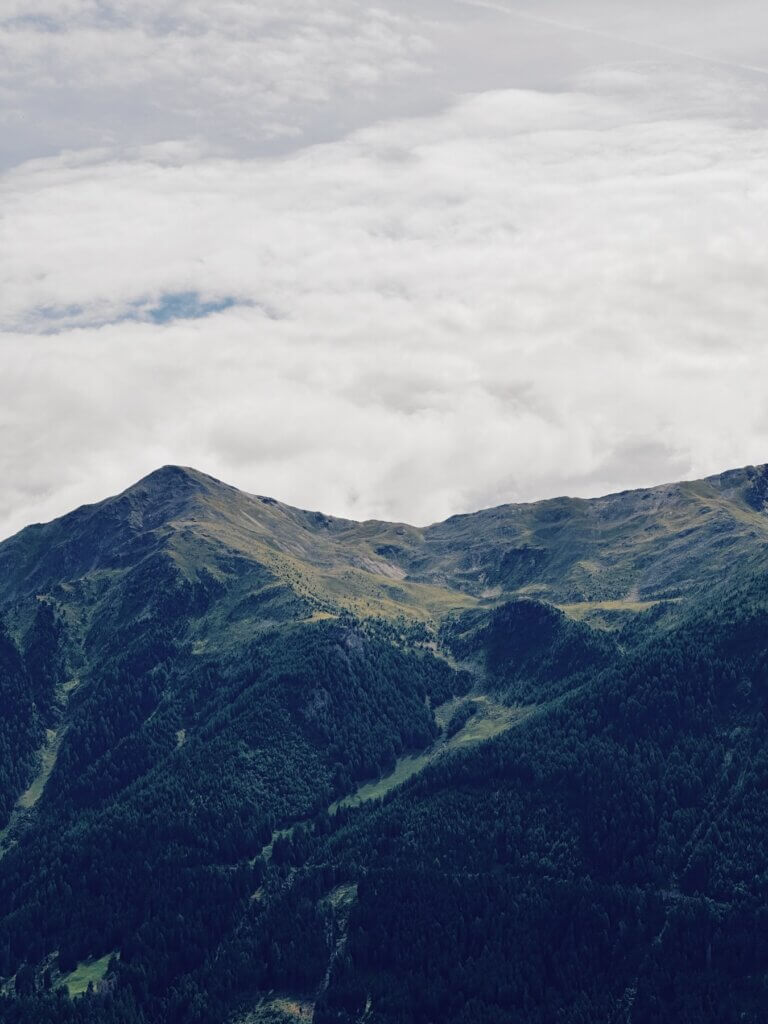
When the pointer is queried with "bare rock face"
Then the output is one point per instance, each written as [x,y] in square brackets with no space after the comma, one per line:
[757,490]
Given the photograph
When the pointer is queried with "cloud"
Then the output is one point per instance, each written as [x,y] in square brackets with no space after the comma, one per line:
[261,78]
[267,76]
[527,293]
[703,31]
[244,75]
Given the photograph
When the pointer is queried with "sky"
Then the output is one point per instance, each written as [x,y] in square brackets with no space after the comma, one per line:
[388,260]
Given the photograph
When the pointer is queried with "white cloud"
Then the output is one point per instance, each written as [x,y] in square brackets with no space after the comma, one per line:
[244,75]
[525,294]
[262,77]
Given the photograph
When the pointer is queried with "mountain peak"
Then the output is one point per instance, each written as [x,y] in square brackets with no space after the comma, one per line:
[174,478]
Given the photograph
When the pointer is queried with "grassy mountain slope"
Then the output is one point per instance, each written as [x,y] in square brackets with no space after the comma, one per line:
[639,545]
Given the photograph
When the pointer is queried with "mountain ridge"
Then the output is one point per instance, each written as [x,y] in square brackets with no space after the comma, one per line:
[650,543]
[732,478]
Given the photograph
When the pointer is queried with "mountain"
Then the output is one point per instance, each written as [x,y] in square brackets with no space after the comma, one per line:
[641,545]
[258,762]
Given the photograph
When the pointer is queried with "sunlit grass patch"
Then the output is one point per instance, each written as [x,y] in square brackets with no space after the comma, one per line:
[90,971]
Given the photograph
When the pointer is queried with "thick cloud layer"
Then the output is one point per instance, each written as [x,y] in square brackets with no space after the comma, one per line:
[555,282]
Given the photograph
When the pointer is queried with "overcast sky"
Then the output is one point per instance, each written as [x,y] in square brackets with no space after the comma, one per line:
[393,260]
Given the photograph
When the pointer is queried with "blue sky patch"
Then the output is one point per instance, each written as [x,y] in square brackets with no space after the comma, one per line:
[185,306]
